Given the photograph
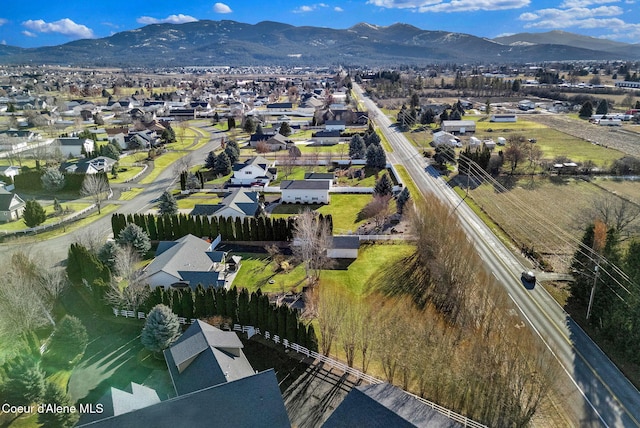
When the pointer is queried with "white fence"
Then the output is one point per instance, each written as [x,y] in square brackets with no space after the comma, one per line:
[250,331]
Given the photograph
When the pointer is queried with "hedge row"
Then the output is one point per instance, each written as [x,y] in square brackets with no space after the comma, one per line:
[241,307]
[172,227]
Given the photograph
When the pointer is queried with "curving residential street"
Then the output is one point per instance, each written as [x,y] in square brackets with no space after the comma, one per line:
[594,392]
[54,251]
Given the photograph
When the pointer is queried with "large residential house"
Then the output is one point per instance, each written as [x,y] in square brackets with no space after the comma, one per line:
[189,261]
[205,356]
[239,203]
[215,385]
[253,170]
[11,206]
[89,166]
[305,191]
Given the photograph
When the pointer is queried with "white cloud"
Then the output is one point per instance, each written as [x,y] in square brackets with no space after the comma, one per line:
[63,26]
[312,7]
[451,5]
[171,19]
[579,14]
[583,3]
[221,8]
[3,21]
[4,42]
[28,34]
[338,9]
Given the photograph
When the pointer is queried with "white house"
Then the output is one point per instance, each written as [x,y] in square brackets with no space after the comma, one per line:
[74,146]
[254,170]
[9,171]
[11,206]
[335,125]
[441,137]
[305,191]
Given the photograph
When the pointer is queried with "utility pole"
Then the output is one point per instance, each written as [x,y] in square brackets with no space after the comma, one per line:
[596,271]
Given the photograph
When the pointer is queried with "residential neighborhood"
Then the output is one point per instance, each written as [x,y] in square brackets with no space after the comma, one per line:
[433,245]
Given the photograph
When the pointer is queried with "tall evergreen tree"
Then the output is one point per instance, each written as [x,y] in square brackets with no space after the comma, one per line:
[24,382]
[33,214]
[383,186]
[54,395]
[357,148]
[161,329]
[167,204]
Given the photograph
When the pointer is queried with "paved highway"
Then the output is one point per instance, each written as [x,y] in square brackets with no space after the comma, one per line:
[595,392]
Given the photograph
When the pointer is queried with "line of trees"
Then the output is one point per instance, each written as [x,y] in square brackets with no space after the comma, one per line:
[239,307]
[614,294]
[171,227]
[439,325]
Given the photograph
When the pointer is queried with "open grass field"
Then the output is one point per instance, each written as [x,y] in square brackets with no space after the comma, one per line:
[336,149]
[343,208]
[545,214]
[626,189]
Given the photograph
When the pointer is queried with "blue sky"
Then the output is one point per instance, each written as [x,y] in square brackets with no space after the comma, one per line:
[39,23]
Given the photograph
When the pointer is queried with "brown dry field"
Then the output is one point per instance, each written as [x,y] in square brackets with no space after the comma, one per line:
[548,213]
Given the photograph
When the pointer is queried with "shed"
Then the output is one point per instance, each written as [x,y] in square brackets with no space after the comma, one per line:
[344,247]
[458,126]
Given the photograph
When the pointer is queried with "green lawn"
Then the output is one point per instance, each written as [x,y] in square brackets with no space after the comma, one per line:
[343,208]
[257,270]
[130,194]
[160,164]
[51,218]
[371,261]
[197,198]
[125,173]
[336,149]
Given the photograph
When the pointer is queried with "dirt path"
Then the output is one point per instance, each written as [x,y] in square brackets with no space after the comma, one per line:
[614,137]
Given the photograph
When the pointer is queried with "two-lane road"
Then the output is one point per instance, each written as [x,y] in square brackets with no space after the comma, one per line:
[595,392]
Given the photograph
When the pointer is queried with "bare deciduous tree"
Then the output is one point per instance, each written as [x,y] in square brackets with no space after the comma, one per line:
[126,289]
[378,209]
[616,213]
[96,187]
[311,241]
[27,295]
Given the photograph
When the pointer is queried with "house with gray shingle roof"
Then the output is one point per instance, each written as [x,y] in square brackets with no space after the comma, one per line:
[384,405]
[205,356]
[189,261]
[254,170]
[305,191]
[238,203]
[252,401]
[117,402]
[11,206]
